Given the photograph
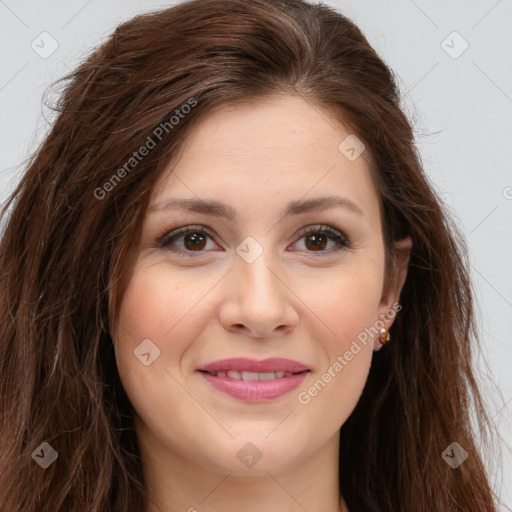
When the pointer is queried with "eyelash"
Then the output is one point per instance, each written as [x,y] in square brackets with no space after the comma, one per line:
[342,241]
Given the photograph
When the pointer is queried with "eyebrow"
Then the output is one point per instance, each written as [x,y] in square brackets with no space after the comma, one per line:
[219,209]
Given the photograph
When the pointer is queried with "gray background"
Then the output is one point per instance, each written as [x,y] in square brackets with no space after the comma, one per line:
[460,106]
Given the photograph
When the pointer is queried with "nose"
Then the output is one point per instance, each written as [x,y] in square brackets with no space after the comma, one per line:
[258,300]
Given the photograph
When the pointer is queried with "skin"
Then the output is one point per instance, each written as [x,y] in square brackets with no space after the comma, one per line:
[293,301]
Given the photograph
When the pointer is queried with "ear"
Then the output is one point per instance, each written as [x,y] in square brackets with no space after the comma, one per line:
[393,286]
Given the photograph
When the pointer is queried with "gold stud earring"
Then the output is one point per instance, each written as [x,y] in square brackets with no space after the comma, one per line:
[384,336]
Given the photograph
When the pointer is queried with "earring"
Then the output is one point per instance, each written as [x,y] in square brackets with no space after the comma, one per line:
[384,336]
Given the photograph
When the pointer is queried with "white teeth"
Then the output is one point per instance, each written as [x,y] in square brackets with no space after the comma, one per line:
[250,375]
[247,376]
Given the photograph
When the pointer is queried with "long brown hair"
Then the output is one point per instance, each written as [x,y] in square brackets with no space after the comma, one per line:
[71,231]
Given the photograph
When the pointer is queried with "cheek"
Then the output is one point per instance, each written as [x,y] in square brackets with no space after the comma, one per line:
[348,302]
[350,313]
[155,306]
[349,308]
[169,310]
[144,311]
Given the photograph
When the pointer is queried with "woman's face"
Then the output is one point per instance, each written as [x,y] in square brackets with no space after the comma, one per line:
[256,277]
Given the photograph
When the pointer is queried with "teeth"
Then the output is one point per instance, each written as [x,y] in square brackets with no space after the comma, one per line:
[247,376]
[250,375]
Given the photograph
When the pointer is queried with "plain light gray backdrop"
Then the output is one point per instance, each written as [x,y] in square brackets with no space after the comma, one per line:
[454,66]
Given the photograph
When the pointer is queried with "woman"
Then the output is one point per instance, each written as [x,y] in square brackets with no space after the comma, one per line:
[227,283]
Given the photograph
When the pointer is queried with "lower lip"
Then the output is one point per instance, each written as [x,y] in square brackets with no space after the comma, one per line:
[256,390]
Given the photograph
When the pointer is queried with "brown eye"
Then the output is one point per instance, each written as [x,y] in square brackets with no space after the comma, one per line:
[323,240]
[194,241]
[316,241]
[187,241]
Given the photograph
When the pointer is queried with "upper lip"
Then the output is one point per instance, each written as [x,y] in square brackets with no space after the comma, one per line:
[241,364]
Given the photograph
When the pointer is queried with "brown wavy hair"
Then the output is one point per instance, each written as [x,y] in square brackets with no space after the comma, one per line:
[74,220]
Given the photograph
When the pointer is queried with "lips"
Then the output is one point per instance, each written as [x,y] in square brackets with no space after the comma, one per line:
[252,380]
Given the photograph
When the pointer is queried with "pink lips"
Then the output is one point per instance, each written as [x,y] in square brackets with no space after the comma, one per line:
[255,390]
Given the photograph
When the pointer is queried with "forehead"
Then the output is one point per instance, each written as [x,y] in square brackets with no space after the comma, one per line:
[271,151]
